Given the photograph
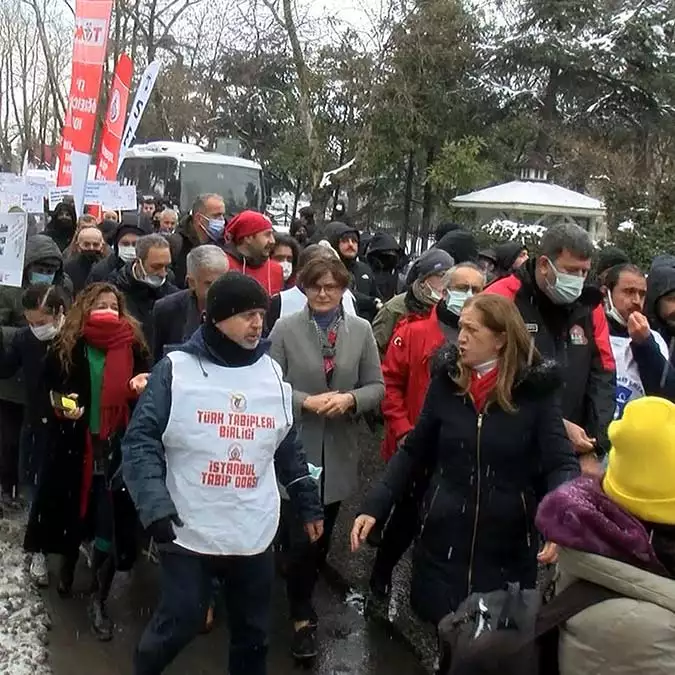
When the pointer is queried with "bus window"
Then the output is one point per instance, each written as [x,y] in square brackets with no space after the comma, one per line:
[240,187]
[152,176]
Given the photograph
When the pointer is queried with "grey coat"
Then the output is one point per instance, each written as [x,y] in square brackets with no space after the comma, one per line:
[330,443]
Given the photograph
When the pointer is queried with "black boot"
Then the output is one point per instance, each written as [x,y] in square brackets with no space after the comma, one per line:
[67,574]
[103,570]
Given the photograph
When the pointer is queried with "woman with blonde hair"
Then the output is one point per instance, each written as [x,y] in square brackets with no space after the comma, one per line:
[491,436]
[95,368]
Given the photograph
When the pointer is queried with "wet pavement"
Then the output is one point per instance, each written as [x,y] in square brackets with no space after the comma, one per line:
[350,644]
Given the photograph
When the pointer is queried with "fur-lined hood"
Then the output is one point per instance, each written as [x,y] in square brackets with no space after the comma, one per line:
[534,381]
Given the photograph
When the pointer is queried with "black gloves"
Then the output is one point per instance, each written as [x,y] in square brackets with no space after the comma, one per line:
[162,530]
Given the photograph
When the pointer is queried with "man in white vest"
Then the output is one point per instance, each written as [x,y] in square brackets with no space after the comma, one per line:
[210,436]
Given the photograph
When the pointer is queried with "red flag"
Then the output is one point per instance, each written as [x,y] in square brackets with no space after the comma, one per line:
[92,21]
[111,139]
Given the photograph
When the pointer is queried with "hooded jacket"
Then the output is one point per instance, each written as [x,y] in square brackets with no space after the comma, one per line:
[144,455]
[38,248]
[660,282]
[140,297]
[604,544]
[577,336]
[385,257]
[62,235]
[363,278]
[266,272]
[487,472]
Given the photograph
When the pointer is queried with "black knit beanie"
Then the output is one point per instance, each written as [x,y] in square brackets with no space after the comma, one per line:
[234,293]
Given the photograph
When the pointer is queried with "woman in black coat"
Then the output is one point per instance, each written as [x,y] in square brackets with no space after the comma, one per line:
[492,439]
[99,360]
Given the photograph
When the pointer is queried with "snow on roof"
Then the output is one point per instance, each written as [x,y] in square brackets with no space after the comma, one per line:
[532,197]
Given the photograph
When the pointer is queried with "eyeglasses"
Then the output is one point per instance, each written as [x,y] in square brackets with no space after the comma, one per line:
[328,289]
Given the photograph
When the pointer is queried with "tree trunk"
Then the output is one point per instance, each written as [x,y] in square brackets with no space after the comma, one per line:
[407,199]
[428,201]
[548,113]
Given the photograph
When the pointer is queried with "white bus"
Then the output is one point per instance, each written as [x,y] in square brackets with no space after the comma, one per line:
[180,172]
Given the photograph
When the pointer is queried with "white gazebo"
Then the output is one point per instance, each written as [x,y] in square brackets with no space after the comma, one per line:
[535,203]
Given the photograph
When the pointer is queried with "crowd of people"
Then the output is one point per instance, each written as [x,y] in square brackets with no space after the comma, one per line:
[196,388]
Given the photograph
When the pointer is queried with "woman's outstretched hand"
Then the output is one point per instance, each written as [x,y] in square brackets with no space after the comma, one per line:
[360,531]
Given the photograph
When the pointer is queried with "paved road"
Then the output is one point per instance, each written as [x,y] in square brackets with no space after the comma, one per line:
[351,645]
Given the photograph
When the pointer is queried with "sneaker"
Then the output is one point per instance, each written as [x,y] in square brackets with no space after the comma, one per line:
[304,644]
[38,570]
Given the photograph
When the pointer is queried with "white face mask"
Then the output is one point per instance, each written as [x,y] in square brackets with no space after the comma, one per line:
[456,299]
[434,295]
[286,269]
[48,331]
[612,312]
[126,252]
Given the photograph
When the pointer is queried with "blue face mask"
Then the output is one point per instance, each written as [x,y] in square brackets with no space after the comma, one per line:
[566,289]
[215,228]
[456,299]
[42,277]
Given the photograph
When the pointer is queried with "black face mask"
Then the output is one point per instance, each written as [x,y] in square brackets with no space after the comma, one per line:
[91,256]
[65,221]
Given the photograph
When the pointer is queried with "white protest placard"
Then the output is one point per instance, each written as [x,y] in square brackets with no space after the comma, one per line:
[119,198]
[57,195]
[6,177]
[13,228]
[34,192]
[11,195]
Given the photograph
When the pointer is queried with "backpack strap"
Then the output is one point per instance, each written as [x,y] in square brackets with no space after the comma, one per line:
[572,601]
[577,597]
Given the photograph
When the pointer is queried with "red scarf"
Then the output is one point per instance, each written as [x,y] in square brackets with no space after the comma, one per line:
[115,337]
[481,388]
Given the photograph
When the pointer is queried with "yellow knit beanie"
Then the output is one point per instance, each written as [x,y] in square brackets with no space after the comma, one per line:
[640,476]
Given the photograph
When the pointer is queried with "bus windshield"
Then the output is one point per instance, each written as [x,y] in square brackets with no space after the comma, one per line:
[180,184]
[238,186]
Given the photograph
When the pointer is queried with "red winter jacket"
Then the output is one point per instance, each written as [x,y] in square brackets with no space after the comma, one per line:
[269,275]
[406,377]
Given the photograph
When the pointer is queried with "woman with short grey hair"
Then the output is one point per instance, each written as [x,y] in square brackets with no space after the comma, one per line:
[330,359]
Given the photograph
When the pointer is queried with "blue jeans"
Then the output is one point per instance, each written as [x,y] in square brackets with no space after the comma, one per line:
[187,588]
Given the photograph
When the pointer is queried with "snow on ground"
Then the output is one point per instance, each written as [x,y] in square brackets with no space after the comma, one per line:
[24,622]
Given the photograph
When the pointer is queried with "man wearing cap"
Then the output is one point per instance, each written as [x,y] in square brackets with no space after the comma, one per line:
[426,281]
[250,240]
[210,436]
[124,249]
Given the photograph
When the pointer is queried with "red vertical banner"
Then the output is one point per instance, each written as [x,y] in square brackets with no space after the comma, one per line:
[92,22]
[111,138]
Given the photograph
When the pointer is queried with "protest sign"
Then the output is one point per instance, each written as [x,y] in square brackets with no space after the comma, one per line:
[13,228]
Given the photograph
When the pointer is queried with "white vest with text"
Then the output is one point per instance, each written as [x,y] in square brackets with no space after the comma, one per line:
[220,441]
[294,300]
[628,382]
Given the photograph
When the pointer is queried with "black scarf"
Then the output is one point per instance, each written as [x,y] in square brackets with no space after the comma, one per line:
[226,351]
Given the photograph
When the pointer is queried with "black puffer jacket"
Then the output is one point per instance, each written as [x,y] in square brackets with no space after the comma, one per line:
[488,473]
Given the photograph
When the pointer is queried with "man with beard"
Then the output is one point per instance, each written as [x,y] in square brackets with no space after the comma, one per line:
[61,226]
[89,247]
[660,300]
[251,241]
[345,240]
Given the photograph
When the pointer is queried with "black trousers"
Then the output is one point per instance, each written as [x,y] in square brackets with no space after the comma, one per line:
[400,530]
[11,418]
[303,559]
[186,583]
